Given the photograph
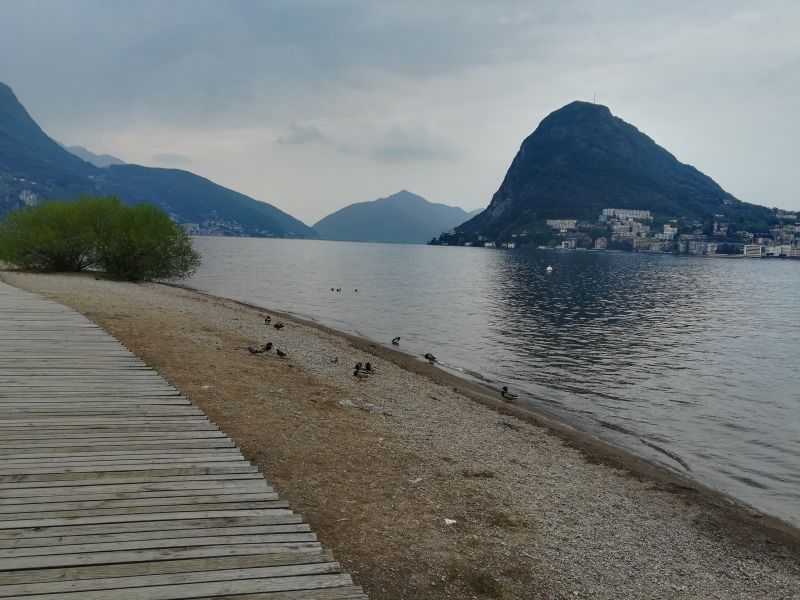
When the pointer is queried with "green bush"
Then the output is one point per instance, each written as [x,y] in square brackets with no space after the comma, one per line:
[127,242]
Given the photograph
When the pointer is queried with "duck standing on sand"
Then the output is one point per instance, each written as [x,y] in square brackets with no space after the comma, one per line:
[508,395]
[429,357]
[396,341]
[268,319]
[280,353]
[278,326]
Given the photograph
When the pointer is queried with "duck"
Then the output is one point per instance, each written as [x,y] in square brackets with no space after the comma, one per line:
[356,290]
[266,347]
[280,353]
[278,325]
[368,368]
[508,395]
[268,319]
[429,357]
[360,375]
[549,268]
[358,366]
[396,341]
[252,350]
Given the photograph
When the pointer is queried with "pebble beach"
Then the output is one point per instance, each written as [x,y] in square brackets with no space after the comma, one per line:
[421,485]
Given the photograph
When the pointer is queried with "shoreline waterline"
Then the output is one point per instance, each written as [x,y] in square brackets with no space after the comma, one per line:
[593,447]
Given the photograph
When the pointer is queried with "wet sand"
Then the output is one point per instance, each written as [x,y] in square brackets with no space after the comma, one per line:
[376,465]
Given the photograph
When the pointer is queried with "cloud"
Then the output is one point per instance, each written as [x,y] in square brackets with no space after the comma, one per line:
[171,158]
[403,145]
[299,135]
[447,90]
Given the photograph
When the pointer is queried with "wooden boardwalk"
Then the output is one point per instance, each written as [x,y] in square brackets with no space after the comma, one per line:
[115,487]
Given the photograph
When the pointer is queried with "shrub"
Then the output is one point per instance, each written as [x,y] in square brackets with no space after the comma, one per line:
[136,242]
[143,243]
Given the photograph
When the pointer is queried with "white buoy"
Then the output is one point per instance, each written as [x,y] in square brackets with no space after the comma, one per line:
[549,269]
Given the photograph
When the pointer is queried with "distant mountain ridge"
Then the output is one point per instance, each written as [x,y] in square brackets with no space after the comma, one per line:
[400,218]
[98,160]
[34,167]
[582,159]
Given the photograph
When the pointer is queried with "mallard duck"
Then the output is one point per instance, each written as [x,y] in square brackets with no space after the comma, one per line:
[508,395]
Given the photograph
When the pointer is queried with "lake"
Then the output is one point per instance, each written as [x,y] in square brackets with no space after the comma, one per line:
[687,361]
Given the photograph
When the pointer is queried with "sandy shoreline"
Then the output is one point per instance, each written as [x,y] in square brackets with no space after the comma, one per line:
[376,466]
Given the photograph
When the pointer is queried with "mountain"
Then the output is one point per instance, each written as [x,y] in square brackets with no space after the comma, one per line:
[582,159]
[34,167]
[400,218]
[98,160]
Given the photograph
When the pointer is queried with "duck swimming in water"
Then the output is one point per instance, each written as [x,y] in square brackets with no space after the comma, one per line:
[396,341]
[508,395]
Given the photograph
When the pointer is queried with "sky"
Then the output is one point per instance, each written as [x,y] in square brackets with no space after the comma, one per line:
[311,105]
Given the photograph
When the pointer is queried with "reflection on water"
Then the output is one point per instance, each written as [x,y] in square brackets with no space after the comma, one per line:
[692,362]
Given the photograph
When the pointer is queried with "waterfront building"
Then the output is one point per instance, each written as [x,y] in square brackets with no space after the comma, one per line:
[601,243]
[626,214]
[753,250]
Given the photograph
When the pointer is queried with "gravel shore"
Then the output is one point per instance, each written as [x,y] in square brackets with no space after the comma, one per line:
[420,491]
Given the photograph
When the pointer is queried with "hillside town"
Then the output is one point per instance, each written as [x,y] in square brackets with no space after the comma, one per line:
[639,231]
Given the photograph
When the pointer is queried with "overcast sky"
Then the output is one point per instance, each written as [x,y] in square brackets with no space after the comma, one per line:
[312,105]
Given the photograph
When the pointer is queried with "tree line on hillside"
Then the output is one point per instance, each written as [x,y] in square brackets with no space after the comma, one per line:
[126,242]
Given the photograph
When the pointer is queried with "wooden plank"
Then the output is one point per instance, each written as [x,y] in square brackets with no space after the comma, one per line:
[172,534]
[116,583]
[248,522]
[127,556]
[185,565]
[212,588]
[141,516]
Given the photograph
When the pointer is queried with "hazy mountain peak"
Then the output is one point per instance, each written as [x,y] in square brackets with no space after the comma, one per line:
[98,160]
[403,217]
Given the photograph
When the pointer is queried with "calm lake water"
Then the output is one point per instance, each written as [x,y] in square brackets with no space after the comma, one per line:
[691,362]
